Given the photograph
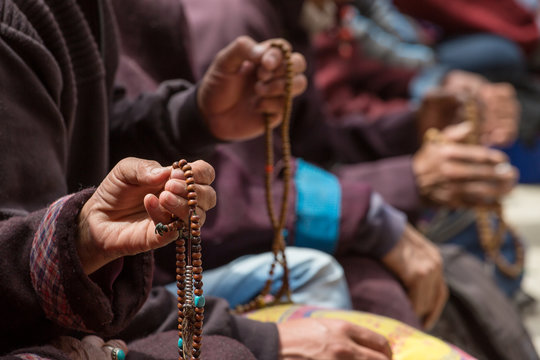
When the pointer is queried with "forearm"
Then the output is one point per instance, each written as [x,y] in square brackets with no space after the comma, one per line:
[393,178]
[163,125]
[48,279]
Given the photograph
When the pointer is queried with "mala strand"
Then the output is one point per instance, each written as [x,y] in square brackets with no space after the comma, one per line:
[278,223]
[188,272]
[490,240]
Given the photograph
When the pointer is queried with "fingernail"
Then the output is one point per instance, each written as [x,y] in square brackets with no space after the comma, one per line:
[257,50]
[272,60]
[502,168]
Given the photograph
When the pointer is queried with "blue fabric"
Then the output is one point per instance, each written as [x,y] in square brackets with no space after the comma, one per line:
[318,208]
[469,240]
[526,159]
[487,54]
[315,278]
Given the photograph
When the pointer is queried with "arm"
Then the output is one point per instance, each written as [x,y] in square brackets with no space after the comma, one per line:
[47,288]
[37,115]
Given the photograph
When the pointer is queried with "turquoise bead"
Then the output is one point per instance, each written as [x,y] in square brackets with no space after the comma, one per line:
[120,355]
[200,301]
[180,343]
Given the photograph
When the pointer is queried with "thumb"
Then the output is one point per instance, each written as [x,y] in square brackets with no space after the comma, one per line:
[231,59]
[458,132]
[134,171]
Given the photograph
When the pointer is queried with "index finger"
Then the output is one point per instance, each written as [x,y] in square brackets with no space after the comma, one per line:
[272,57]
[203,173]
[438,307]
[369,339]
[475,154]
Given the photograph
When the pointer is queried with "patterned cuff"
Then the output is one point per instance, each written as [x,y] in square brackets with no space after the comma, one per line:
[45,271]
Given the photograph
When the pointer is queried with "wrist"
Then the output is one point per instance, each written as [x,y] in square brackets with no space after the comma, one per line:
[90,256]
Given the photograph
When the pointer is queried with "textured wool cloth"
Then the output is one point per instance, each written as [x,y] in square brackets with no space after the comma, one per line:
[61,131]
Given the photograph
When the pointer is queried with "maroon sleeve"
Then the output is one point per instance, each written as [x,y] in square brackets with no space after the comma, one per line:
[46,292]
[393,178]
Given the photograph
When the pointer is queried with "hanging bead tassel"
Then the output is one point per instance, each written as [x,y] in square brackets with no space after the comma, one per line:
[188,272]
[278,224]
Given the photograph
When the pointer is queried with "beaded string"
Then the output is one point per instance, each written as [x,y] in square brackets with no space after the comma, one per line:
[189,284]
[278,223]
[490,240]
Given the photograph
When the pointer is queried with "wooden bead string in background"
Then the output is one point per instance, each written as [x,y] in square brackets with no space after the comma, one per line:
[490,240]
[188,272]
[278,223]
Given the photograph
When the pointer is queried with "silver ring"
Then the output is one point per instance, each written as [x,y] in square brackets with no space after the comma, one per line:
[116,353]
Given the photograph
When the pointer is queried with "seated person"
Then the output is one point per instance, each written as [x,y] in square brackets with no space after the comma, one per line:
[83,262]
[352,221]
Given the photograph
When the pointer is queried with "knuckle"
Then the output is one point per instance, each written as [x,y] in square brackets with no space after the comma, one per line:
[243,40]
[341,350]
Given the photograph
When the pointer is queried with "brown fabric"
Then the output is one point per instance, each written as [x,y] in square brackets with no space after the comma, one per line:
[55,103]
[162,347]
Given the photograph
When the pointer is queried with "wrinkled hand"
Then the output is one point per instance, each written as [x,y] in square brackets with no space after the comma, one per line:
[88,348]
[501,112]
[461,82]
[418,263]
[454,174]
[330,339]
[499,106]
[246,80]
[119,219]
[439,108]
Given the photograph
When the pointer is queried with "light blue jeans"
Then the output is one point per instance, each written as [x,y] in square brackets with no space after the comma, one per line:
[315,278]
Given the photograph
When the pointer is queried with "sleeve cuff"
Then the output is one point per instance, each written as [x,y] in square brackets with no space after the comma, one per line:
[384,227]
[188,121]
[67,295]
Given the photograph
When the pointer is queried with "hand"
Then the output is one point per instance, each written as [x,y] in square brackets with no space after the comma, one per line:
[119,219]
[418,263]
[90,347]
[499,107]
[500,111]
[246,80]
[330,339]
[439,108]
[459,82]
[453,174]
